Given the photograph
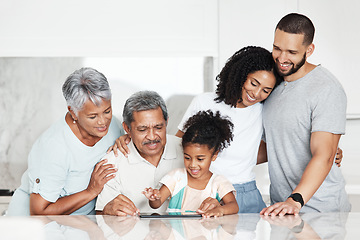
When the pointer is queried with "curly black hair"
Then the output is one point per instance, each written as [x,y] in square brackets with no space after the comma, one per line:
[234,74]
[207,128]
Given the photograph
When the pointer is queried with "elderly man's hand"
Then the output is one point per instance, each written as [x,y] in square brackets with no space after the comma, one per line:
[121,206]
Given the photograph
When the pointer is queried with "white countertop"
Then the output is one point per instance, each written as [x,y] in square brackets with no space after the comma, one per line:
[238,226]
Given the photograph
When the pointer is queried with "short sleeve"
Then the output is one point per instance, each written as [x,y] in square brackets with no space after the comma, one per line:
[175,180]
[223,186]
[329,110]
[48,168]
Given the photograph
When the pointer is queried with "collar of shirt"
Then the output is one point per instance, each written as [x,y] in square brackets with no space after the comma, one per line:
[169,152]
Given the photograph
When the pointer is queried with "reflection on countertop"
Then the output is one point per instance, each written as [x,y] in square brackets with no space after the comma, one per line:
[238,226]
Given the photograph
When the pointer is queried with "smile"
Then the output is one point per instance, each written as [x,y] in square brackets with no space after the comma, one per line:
[250,98]
[194,172]
[101,129]
[285,66]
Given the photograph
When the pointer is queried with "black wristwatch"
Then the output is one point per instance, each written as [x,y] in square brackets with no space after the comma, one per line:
[297,198]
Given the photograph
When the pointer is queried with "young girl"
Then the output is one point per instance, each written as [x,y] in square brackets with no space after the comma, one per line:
[205,136]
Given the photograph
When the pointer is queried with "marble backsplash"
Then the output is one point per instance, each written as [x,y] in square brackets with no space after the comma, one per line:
[30,101]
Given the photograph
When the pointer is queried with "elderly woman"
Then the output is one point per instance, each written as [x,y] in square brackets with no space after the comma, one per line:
[61,177]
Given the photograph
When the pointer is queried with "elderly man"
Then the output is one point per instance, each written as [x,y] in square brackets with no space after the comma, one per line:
[153,153]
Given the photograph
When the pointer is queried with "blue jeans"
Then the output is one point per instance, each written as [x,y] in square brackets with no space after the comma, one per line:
[249,198]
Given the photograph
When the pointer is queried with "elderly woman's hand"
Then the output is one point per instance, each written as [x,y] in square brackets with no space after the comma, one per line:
[121,144]
[100,176]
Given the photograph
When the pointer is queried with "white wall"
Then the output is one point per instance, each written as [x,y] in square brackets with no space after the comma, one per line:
[337,41]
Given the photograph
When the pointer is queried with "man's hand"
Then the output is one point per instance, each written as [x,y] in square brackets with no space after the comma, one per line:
[208,204]
[288,221]
[100,176]
[282,208]
[120,206]
[121,145]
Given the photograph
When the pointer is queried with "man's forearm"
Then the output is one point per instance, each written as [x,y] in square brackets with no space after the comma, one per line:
[312,178]
[323,148]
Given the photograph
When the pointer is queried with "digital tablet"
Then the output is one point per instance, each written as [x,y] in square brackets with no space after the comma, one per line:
[171,215]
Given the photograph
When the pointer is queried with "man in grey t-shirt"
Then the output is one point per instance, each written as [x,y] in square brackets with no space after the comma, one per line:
[304,118]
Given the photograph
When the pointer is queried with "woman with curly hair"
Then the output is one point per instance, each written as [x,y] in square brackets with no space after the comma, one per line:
[244,83]
[206,135]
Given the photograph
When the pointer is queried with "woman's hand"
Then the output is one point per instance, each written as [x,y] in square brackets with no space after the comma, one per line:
[121,144]
[339,156]
[100,176]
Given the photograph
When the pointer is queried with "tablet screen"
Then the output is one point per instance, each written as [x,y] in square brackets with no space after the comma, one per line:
[171,215]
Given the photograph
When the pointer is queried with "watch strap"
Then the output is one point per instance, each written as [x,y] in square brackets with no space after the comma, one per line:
[297,197]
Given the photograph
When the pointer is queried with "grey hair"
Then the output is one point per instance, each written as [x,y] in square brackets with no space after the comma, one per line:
[85,84]
[143,101]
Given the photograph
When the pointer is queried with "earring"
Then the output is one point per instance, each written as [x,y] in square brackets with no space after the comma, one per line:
[74,121]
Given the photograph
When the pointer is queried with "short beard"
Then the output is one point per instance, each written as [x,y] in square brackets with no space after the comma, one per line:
[294,69]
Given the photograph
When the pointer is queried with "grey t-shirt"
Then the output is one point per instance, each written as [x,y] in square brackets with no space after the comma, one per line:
[316,102]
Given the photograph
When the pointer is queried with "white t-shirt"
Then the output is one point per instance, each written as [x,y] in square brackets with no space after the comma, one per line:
[237,160]
[135,174]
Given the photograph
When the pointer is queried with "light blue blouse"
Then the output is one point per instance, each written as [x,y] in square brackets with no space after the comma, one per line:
[59,164]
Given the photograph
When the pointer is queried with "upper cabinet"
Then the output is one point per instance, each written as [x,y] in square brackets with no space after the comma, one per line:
[109,28]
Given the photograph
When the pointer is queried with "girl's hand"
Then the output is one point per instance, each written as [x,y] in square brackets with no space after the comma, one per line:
[121,144]
[216,212]
[151,194]
[101,174]
[208,204]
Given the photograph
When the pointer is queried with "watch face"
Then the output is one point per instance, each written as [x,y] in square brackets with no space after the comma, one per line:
[297,198]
